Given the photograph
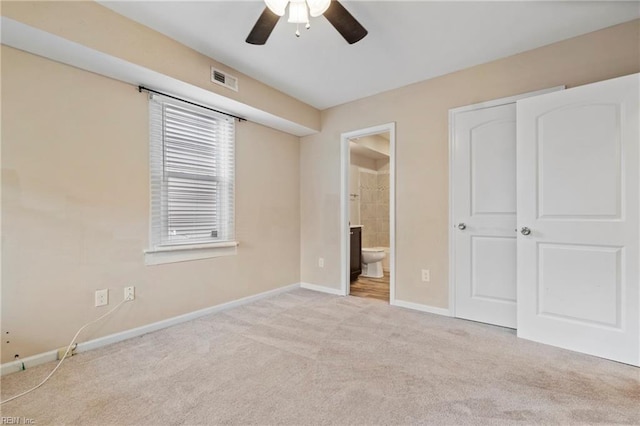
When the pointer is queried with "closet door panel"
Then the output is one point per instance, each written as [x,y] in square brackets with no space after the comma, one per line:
[578,213]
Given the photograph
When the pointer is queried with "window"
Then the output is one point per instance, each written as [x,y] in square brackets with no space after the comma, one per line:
[192,182]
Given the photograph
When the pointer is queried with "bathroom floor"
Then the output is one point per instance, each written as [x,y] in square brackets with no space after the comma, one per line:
[373,288]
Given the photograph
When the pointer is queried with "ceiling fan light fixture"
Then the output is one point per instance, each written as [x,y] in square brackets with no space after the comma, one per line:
[318,7]
[298,12]
[277,6]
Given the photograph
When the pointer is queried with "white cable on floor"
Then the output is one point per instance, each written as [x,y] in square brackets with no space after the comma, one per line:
[65,354]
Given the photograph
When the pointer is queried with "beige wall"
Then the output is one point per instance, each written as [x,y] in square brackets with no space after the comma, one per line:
[92,25]
[420,111]
[375,143]
[75,201]
[361,161]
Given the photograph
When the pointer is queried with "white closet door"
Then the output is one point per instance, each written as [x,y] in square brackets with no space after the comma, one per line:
[578,193]
[484,179]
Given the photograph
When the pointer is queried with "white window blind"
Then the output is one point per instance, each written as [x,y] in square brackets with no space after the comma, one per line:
[192,174]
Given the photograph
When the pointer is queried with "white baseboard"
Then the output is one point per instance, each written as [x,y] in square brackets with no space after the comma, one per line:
[422,308]
[15,366]
[322,289]
[32,361]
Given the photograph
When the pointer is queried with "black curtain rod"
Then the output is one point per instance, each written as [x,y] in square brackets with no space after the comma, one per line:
[146,89]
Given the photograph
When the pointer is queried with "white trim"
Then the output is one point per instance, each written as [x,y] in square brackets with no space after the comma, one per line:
[344,203]
[321,289]
[452,222]
[182,254]
[392,213]
[176,247]
[452,248]
[503,101]
[32,361]
[422,308]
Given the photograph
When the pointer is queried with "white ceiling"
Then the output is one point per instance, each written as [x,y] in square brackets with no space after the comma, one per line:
[408,41]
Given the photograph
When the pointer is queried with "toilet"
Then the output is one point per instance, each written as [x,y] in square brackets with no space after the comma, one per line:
[372,262]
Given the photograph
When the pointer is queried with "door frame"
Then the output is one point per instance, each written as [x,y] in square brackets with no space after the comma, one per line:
[452,222]
[345,157]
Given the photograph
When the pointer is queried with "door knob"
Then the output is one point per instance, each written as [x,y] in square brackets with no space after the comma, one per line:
[462,226]
[525,231]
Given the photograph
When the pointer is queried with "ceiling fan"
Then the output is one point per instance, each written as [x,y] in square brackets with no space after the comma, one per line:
[333,10]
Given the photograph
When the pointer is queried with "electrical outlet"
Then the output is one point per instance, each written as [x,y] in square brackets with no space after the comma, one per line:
[129,293]
[426,276]
[321,262]
[102,297]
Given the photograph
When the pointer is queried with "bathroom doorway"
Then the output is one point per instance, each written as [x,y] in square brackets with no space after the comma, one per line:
[368,212]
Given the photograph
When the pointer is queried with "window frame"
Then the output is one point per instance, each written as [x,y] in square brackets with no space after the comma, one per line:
[160,249]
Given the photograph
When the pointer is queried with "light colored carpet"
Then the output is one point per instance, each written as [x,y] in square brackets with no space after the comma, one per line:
[309,358]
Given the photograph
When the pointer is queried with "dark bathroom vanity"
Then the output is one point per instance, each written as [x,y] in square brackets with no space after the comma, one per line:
[356,252]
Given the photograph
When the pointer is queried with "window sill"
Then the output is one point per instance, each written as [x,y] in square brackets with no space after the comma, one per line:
[177,253]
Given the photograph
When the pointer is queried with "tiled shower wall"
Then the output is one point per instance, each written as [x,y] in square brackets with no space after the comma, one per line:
[374,208]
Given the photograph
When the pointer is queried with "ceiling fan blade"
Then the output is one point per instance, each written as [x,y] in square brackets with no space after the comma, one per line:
[345,23]
[263,27]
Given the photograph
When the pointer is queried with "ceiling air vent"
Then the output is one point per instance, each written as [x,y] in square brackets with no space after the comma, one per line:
[224,79]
